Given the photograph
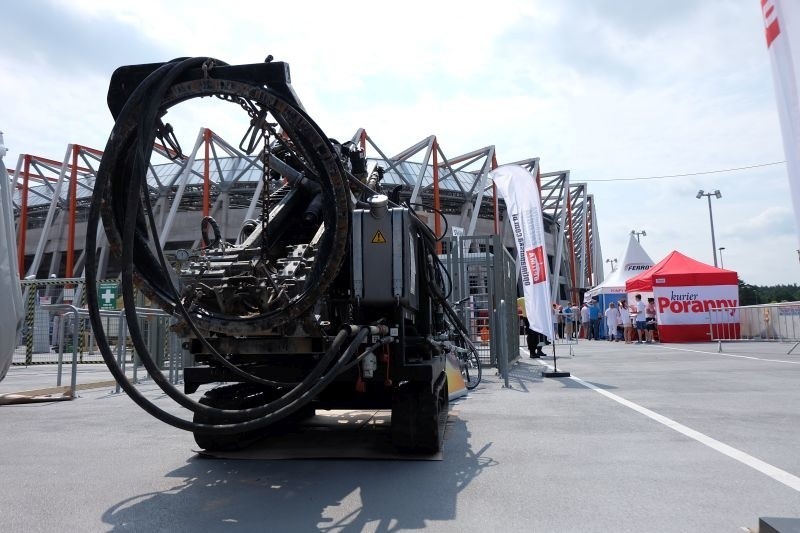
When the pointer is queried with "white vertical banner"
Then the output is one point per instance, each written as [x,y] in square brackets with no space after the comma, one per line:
[782,25]
[11,309]
[519,190]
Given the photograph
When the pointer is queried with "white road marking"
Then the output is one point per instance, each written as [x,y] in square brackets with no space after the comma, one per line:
[729,355]
[782,476]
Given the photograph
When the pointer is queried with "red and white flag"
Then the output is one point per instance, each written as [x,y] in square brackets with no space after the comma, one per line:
[519,190]
[782,25]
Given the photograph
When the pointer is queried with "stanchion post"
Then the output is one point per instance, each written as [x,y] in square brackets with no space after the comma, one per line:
[60,348]
[75,331]
[121,343]
[555,373]
[502,357]
[75,311]
[30,314]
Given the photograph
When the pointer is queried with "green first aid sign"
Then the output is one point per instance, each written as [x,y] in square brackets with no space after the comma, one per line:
[107,296]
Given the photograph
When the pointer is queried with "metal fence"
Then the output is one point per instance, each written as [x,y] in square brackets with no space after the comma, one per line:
[57,323]
[484,293]
[483,276]
[764,323]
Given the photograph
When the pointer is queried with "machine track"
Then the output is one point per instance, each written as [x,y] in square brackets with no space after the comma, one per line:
[419,416]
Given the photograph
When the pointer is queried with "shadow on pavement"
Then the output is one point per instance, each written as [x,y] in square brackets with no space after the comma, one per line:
[523,374]
[572,384]
[308,495]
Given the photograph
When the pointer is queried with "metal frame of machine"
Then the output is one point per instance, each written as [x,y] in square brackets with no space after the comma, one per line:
[332,297]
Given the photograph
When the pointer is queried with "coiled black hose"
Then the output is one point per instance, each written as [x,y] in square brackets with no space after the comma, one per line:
[120,198]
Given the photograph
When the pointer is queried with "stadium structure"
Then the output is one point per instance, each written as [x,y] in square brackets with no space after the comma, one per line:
[219,180]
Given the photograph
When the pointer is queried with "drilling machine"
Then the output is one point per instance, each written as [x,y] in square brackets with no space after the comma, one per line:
[333,297]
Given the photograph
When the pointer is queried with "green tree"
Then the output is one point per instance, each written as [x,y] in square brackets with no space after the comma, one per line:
[762,294]
[748,294]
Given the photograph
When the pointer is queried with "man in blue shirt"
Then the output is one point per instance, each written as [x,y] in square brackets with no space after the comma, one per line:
[594,319]
[569,319]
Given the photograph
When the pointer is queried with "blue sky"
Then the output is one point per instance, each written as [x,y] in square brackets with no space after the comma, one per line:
[607,89]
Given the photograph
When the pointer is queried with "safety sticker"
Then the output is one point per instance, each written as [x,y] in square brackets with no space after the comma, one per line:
[378,238]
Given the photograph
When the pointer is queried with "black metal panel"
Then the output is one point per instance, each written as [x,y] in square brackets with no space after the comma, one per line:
[274,75]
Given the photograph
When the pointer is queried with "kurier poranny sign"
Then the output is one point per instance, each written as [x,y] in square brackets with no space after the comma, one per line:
[690,305]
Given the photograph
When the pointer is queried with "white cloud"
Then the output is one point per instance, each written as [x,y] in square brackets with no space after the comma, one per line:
[607,89]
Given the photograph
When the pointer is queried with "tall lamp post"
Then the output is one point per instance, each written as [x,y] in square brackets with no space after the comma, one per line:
[721,262]
[643,233]
[708,195]
[613,263]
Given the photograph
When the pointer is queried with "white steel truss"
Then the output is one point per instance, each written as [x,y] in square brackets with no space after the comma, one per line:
[217,179]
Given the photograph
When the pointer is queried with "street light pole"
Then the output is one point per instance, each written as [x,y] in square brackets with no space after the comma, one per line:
[708,195]
[637,233]
[721,262]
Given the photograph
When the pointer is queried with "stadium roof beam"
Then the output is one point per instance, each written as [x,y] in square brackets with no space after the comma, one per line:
[221,177]
[425,177]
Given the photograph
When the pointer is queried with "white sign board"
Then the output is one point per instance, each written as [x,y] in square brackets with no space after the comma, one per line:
[690,305]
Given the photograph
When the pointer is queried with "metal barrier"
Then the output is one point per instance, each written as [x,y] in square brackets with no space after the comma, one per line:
[761,323]
[40,331]
[66,308]
[169,354]
[54,324]
[483,273]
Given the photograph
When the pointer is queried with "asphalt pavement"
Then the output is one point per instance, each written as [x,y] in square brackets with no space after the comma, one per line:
[640,438]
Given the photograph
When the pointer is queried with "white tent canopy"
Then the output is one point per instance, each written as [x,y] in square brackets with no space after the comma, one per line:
[634,261]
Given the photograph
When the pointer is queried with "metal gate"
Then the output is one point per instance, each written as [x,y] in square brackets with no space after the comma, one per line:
[57,323]
[484,293]
[756,323]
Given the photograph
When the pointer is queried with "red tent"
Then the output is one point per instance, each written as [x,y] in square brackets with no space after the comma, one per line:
[685,292]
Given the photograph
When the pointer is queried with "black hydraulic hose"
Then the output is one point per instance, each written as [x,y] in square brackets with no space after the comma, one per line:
[204,224]
[185,313]
[429,241]
[314,190]
[314,150]
[275,410]
[383,341]
[129,223]
[132,212]
[438,212]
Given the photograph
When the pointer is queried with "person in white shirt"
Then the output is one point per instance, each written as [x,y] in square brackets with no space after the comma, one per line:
[612,321]
[625,317]
[586,325]
[640,317]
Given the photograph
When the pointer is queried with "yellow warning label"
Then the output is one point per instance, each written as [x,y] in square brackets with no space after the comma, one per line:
[378,238]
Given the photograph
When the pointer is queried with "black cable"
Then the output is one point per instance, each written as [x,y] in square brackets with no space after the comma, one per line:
[136,337]
[177,395]
[429,241]
[438,212]
[307,140]
[204,224]
[187,317]
[371,349]
[132,217]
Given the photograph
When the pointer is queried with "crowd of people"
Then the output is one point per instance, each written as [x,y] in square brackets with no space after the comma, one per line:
[633,323]
[621,321]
